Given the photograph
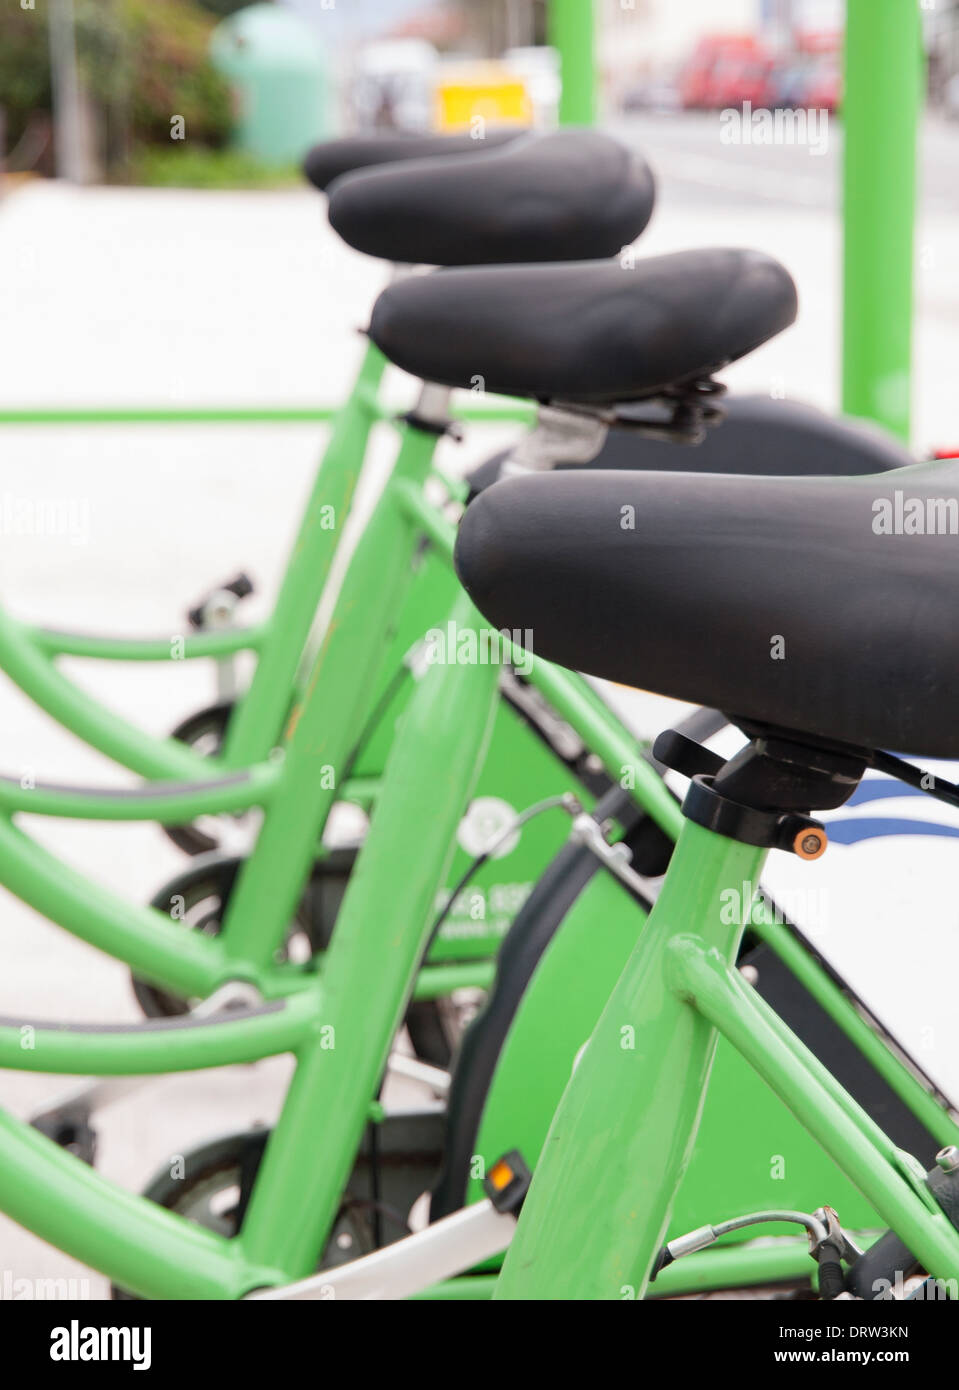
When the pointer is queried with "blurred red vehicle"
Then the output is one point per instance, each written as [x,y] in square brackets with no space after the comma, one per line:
[747,78]
[697,80]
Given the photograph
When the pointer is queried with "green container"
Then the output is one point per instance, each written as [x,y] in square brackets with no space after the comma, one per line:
[274,63]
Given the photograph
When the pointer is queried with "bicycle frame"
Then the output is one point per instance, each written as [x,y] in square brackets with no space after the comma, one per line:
[623,1134]
[422,808]
[297,792]
[28,653]
[339,1026]
[340,1030]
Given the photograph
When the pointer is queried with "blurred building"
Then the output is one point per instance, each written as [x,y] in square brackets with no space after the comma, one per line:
[443,26]
[649,33]
[642,39]
[490,27]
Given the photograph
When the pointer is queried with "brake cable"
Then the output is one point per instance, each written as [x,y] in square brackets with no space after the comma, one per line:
[704,1236]
[929,782]
[566,802]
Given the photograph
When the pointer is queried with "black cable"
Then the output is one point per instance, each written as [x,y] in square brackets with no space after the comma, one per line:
[375,1185]
[383,703]
[381,1209]
[564,802]
[941,789]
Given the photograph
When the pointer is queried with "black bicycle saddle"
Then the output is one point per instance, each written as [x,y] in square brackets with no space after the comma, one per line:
[328,160]
[569,195]
[598,332]
[821,606]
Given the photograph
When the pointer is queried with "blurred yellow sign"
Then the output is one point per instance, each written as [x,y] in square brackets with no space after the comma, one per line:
[488,93]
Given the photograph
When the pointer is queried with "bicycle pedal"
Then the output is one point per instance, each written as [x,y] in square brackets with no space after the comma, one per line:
[216,607]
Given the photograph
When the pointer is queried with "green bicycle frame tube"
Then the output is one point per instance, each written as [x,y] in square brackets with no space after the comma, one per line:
[622,1135]
[864,1153]
[136,1243]
[188,962]
[592,1224]
[241,1036]
[569,694]
[191,646]
[329,719]
[813,977]
[168,803]
[182,1044]
[258,720]
[373,959]
[33,671]
[499,411]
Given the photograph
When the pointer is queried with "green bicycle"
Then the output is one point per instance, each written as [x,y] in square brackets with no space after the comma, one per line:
[617,574]
[226,897]
[340,1024]
[569,559]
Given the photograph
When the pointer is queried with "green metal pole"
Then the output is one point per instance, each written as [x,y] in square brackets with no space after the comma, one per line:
[572,26]
[883,97]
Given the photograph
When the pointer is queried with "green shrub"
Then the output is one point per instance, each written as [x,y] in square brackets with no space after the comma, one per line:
[146,61]
[141,63]
[24,69]
[191,166]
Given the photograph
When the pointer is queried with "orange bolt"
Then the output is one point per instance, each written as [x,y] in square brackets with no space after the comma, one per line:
[810,844]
